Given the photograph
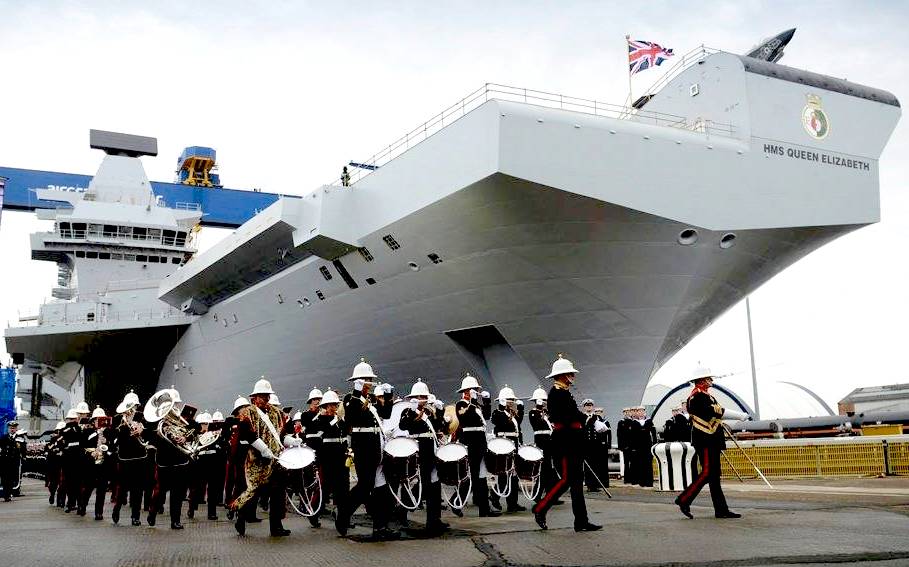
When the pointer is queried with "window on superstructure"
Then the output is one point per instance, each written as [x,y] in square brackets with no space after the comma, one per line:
[93,255]
[175,260]
[79,229]
[181,238]
[80,254]
[391,242]
[169,237]
[141,258]
[154,234]
[124,231]
[65,230]
[325,273]
[129,257]
[153,260]
[110,231]
[115,256]
[366,255]
[95,229]
[139,233]
[104,255]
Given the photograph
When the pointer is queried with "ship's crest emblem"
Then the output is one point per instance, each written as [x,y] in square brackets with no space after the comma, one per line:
[814,119]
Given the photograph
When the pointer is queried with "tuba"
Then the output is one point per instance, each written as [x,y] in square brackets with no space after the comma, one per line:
[163,408]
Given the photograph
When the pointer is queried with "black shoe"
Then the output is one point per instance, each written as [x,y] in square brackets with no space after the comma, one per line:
[540,519]
[588,527]
[516,508]
[281,532]
[68,509]
[240,525]
[314,522]
[231,514]
[342,523]
[254,520]
[385,534]
[115,515]
[728,514]
[212,517]
[50,499]
[98,517]
[457,511]
[150,520]
[176,526]
[491,514]
[81,511]
[685,509]
[136,522]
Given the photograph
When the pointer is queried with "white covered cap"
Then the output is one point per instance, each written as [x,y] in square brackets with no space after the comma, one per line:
[240,402]
[362,371]
[587,402]
[506,393]
[262,386]
[203,417]
[297,416]
[72,414]
[539,394]
[217,416]
[419,388]
[98,413]
[700,371]
[469,383]
[60,425]
[562,366]
[82,407]
[330,397]
[314,394]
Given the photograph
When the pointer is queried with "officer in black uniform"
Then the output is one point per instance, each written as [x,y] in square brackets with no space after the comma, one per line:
[329,440]
[505,423]
[542,435]
[416,421]
[708,438]
[645,438]
[627,432]
[12,453]
[97,443]
[132,457]
[595,451]
[471,432]
[72,460]
[567,448]
[366,438]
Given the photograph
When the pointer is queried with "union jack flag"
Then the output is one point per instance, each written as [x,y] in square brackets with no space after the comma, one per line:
[644,55]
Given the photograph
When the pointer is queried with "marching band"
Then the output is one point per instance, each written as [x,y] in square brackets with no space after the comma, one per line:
[403,453]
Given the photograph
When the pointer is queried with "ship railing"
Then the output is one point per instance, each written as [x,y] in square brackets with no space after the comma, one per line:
[187,206]
[685,61]
[122,237]
[99,314]
[494,91]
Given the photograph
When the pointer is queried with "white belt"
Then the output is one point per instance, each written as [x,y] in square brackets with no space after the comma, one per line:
[477,428]
[421,435]
[506,434]
[244,442]
[365,429]
[543,432]
[208,452]
[334,440]
[73,444]
[310,435]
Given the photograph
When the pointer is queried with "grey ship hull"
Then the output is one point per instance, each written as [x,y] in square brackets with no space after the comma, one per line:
[557,231]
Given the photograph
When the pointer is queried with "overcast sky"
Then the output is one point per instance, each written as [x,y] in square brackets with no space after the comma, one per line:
[287,92]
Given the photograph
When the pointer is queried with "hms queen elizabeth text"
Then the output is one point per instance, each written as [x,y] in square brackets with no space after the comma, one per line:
[819,157]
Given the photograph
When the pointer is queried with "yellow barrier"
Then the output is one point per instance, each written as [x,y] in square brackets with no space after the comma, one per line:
[884,429]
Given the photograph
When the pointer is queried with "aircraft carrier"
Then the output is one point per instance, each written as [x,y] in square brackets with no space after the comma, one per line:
[520,224]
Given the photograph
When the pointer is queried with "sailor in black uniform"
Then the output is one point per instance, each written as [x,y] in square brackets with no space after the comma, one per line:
[366,439]
[567,447]
[12,453]
[626,433]
[677,427]
[471,432]
[416,421]
[643,441]
[595,452]
[708,438]
[505,424]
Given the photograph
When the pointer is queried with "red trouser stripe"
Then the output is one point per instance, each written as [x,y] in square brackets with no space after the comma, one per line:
[699,481]
[557,487]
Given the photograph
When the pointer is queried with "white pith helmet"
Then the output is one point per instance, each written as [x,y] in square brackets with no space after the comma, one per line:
[506,394]
[562,366]
[297,416]
[362,371]
[469,383]
[587,402]
[217,416]
[262,386]
[131,397]
[98,413]
[72,414]
[82,407]
[273,400]
[330,397]
[539,394]
[419,388]
[60,425]
[314,394]
[203,417]
[240,402]
[380,390]
[700,371]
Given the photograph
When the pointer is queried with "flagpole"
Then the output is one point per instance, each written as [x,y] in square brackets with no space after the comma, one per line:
[630,99]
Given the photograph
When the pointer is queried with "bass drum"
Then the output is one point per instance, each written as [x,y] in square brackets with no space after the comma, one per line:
[500,456]
[304,487]
[529,462]
[452,464]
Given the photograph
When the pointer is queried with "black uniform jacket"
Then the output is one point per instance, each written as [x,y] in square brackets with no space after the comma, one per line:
[542,428]
[706,421]
[471,426]
[363,426]
[567,420]
[504,425]
[421,429]
[327,435]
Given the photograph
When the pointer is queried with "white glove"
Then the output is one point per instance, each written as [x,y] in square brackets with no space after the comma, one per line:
[485,394]
[599,426]
[734,415]
[263,449]
[291,441]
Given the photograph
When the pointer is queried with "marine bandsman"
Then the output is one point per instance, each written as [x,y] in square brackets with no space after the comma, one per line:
[53,454]
[567,447]
[330,444]
[132,458]
[471,432]
[311,413]
[708,438]
[72,459]
[542,435]
[506,424]
[97,442]
[171,459]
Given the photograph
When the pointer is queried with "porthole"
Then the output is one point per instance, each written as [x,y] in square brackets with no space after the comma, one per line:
[305,302]
[727,241]
[370,281]
[688,237]
[413,266]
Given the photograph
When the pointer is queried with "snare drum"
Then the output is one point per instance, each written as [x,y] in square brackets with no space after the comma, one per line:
[528,462]
[452,464]
[500,455]
[401,459]
[296,458]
